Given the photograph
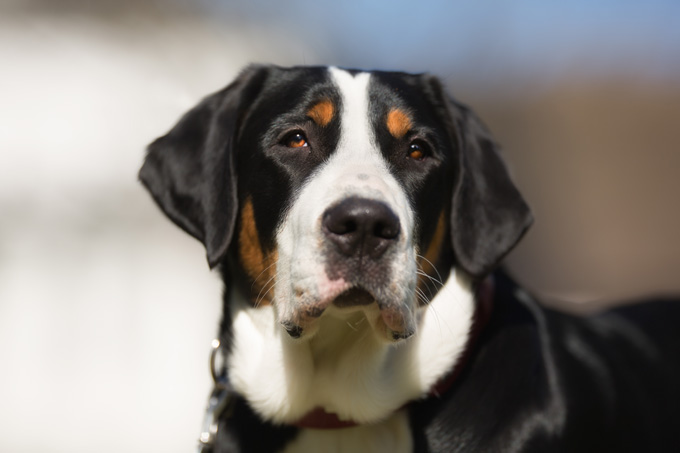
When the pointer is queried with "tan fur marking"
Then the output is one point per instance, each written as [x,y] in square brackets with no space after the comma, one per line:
[398,123]
[431,256]
[322,112]
[258,264]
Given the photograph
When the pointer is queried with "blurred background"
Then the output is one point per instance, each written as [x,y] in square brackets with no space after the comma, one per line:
[107,310]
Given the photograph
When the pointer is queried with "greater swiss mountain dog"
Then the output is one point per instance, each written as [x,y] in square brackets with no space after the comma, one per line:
[358,219]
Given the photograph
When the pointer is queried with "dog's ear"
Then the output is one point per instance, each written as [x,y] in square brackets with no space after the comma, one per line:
[489,215]
[190,171]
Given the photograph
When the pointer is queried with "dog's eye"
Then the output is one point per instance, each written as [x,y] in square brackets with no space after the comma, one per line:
[295,140]
[417,150]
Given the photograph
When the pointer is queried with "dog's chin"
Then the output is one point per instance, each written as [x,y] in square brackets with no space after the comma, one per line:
[391,321]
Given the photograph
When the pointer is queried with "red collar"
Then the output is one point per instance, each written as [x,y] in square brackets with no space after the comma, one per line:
[320,419]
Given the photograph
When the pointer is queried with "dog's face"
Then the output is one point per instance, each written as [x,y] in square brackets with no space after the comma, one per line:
[321,189]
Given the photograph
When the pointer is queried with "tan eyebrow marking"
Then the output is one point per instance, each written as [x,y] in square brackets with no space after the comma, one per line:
[398,123]
[322,112]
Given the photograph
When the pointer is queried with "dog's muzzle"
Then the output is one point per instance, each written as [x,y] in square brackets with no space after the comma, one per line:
[360,239]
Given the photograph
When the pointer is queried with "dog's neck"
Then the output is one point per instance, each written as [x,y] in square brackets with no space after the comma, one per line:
[344,368]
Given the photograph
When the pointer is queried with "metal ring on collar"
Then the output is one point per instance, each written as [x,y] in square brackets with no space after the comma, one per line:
[218,376]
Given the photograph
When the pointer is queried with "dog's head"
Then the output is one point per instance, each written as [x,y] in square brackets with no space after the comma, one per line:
[320,187]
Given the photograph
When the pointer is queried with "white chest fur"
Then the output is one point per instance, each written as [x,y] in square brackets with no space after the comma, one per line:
[348,371]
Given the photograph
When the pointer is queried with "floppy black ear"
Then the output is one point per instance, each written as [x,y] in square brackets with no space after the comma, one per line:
[190,170]
[489,215]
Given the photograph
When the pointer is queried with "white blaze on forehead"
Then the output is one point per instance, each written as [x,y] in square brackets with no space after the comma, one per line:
[355,123]
[357,164]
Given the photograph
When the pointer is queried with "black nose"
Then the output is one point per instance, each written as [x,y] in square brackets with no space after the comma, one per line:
[359,226]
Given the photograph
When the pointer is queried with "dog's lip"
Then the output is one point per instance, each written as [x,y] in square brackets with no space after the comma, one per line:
[398,319]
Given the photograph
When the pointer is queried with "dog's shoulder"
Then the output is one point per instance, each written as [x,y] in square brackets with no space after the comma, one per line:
[553,381]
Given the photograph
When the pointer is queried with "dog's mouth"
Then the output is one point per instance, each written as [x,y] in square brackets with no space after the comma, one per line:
[354,297]
[392,319]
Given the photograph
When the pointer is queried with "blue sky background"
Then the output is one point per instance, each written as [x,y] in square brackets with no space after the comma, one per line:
[500,39]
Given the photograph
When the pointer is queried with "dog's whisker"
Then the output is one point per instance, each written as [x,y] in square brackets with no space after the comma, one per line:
[259,301]
[432,284]
[433,267]
[273,277]
[422,296]
[421,272]
[270,284]
[429,277]
[430,288]
[262,273]
[269,289]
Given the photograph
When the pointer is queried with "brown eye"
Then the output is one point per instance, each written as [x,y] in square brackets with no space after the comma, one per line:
[417,151]
[295,140]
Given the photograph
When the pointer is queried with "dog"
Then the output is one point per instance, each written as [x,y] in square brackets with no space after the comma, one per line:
[359,219]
